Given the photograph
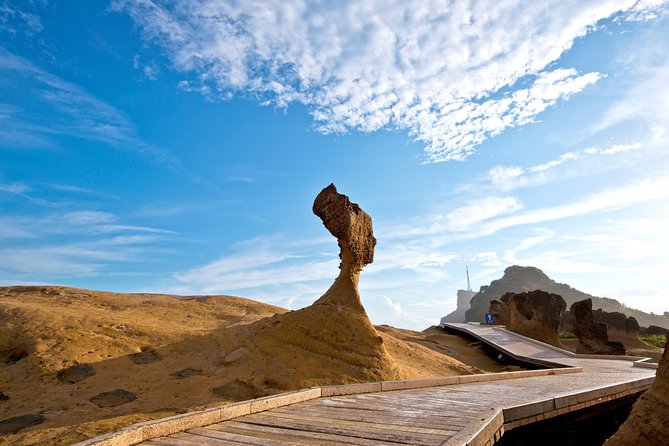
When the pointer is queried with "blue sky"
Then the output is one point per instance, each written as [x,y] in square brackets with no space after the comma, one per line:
[166,146]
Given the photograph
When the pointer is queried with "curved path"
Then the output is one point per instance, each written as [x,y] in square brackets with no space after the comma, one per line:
[464,413]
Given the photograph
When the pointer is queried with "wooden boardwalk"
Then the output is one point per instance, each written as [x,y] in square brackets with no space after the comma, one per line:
[447,415]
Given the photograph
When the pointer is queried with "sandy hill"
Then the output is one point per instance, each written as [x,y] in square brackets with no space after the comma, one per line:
[76,363]
[173,354]
[519,279]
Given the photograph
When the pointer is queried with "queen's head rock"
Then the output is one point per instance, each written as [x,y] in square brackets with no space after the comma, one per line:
[352,228]
[333,335]
[349,224]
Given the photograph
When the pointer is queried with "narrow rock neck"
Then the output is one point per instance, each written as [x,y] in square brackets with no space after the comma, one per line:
[344,290]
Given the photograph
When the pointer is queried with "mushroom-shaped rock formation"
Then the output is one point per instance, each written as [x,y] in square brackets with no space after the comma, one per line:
[592,336]
[353,229]
[332,341]
[535,314]
[648,423]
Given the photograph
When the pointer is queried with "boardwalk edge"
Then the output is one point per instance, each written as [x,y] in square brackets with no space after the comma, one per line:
[139,432]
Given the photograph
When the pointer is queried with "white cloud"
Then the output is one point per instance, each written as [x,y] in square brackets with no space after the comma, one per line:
[452,74]
[14,188]
[513,177]
[394,307]
[460,219]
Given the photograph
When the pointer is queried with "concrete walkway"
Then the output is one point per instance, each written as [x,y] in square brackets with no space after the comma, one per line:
[474,413]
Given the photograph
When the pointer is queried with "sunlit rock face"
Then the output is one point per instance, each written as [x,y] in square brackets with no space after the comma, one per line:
[648,423]
[592,336]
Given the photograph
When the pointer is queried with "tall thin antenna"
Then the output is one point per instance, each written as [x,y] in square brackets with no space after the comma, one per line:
[469,285]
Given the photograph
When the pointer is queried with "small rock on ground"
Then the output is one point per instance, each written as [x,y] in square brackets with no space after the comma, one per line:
[15,424]
[144,357]
[235,391]
[186,373]
[113,398]
[76,373]
[235,355]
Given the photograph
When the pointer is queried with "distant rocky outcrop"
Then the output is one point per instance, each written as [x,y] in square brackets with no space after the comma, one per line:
[458,315]
[518,279]
[592,336]
[647,423]
[653,330]
[535,314]
[334,334]
[617,324]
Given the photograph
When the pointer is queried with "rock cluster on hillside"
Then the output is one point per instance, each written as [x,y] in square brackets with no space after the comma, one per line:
[592,336]
[518,279]
[648,423]
[617,324]
[535,314]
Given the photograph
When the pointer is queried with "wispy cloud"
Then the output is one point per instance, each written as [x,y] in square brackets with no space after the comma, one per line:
[65,109]
[508,178]
[609,199]
[72,244]
[453,75]
[258,262]
[14,20]
[14,188]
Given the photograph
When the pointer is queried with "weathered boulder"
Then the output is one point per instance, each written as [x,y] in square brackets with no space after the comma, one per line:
[617,324]
[592,336]
[458,315]
[535,314]
[648,422]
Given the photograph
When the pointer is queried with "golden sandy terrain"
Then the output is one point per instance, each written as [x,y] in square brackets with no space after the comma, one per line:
[176,353]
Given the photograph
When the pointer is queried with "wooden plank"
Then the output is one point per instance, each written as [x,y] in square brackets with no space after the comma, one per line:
[389,423]
[363,431]
[216,435]
[449,422]
[284,433]
[172,441]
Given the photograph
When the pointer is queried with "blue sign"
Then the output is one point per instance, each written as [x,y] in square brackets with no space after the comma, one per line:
[488,319]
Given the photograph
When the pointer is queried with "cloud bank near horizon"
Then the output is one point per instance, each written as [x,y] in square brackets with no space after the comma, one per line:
[452,74]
